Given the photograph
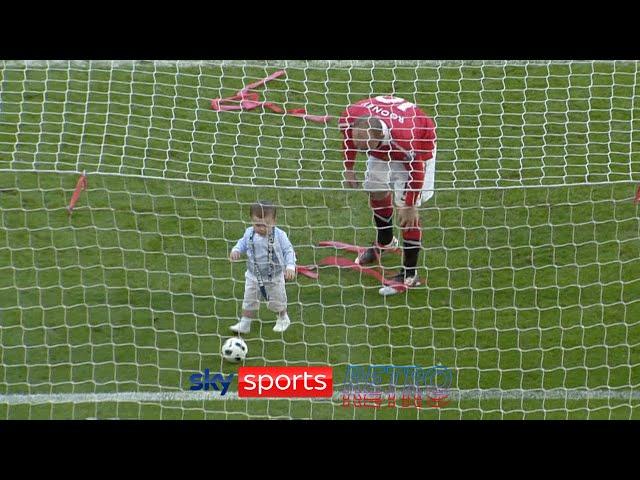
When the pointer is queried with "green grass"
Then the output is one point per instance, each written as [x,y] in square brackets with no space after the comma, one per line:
[528,288]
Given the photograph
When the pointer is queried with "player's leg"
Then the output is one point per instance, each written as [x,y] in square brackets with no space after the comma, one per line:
[411,236]
[382,208]
[250,306]
[278,303]
[411,247]
[377,183]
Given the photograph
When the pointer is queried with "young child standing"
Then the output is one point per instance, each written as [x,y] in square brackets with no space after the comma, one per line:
[270,261]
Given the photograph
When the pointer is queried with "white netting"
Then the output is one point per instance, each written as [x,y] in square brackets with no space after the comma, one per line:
[530,243]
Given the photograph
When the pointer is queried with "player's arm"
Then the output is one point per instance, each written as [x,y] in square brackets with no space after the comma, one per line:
[422,148]
[288,254]
[349,151]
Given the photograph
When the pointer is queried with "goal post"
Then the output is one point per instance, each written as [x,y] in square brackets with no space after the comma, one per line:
[530,243]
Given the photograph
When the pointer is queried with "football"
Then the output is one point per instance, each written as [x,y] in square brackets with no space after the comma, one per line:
[234,350]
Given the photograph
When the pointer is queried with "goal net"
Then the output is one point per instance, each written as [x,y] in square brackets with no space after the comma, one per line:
[530,244]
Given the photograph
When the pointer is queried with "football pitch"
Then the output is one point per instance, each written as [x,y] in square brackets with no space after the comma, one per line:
[531,241]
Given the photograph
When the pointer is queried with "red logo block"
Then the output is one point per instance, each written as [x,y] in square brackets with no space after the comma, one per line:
[285,382]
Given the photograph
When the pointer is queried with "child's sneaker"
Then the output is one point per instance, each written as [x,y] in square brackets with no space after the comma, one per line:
[243,326]
[282,324]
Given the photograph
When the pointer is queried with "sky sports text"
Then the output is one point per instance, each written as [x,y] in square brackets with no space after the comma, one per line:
[206,381]
[285,382]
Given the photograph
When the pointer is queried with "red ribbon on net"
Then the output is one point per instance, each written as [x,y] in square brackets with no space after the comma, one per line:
[307,270]
[352,248]
[81,185]
[247,100]
[342,262]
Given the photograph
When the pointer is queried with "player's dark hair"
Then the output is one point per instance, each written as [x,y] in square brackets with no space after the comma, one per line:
[372,124]
[262,209]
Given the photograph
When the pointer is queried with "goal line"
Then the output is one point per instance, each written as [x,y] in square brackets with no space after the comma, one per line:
[178,396]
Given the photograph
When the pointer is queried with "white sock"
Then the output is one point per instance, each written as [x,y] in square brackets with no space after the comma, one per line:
[246,320]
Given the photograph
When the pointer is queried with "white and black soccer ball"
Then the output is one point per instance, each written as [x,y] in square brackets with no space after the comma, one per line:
[234,350]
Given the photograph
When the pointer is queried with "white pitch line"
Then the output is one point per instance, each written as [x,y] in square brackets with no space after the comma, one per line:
[201,396]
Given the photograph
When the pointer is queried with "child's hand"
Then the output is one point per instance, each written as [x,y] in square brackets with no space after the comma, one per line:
[289,274]
[235,255]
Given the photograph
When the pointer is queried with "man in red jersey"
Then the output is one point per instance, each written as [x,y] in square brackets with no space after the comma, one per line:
[400,142]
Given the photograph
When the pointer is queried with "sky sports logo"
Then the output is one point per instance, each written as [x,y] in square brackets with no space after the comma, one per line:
[285,382]
[206,381]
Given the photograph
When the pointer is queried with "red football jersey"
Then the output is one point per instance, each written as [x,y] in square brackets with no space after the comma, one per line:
[411,136]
